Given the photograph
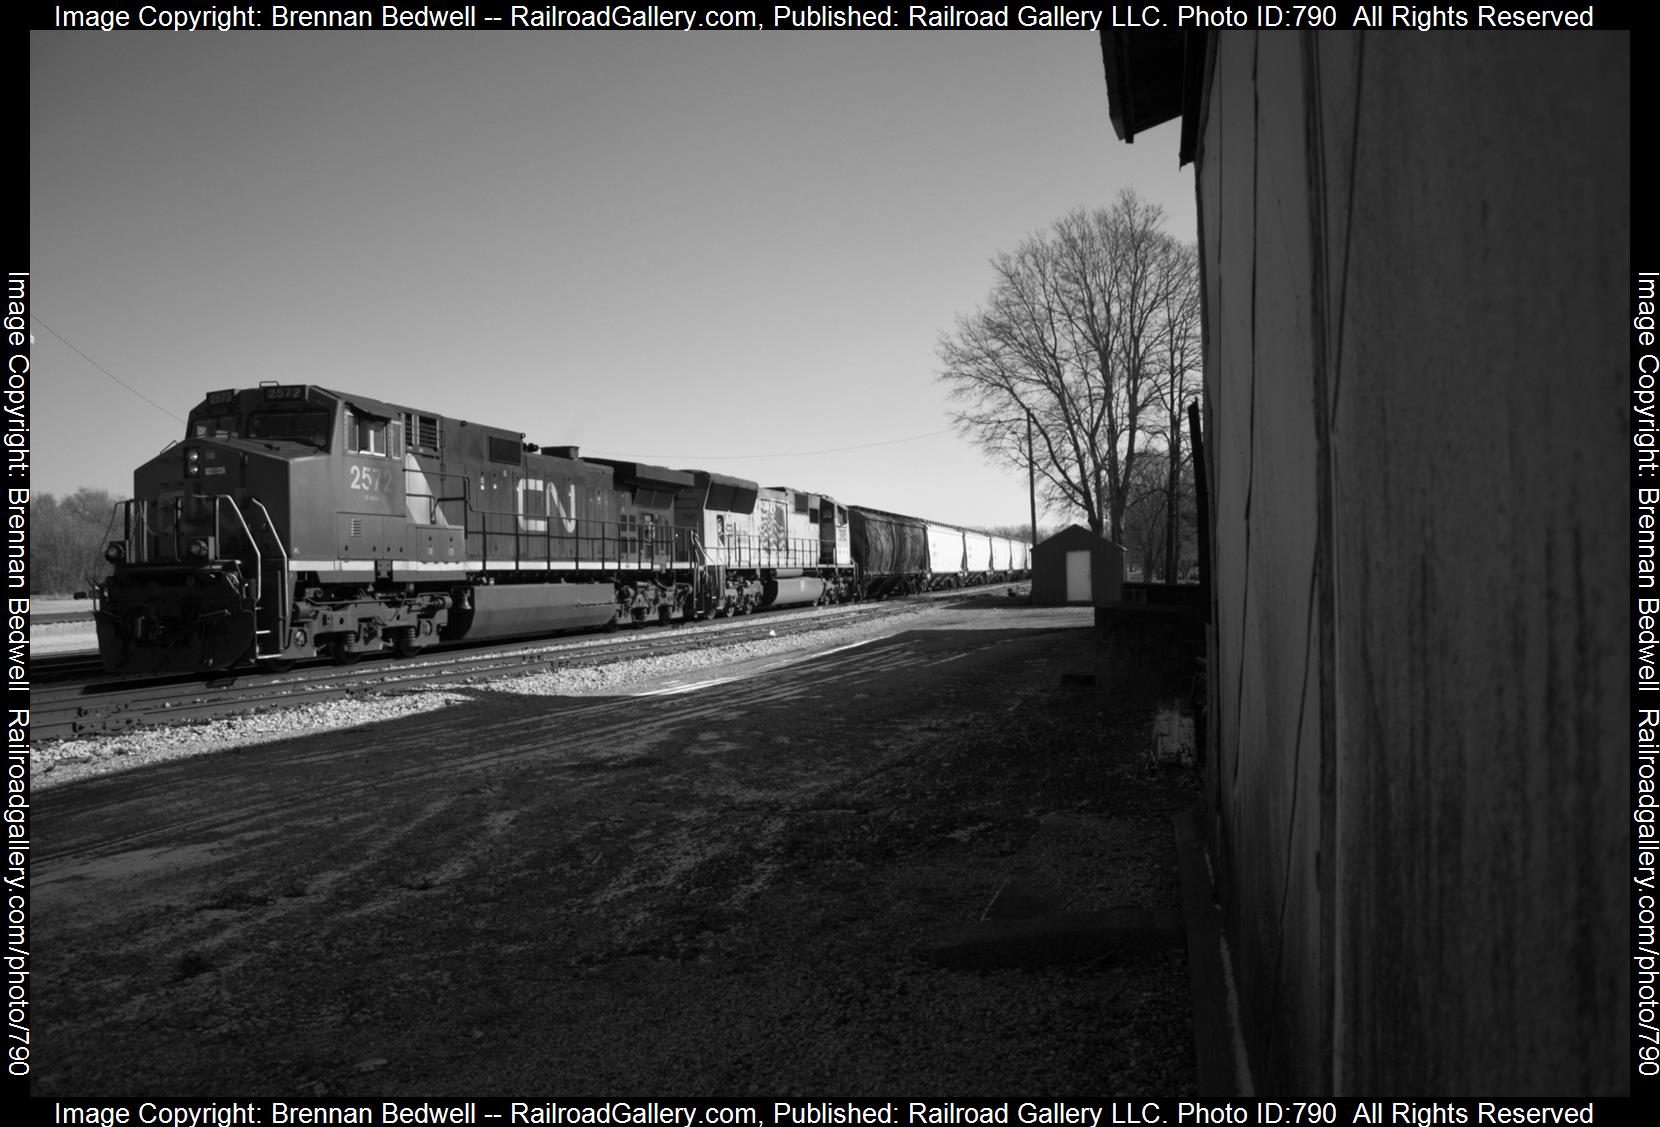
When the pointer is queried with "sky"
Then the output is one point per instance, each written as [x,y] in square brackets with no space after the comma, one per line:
[734,251]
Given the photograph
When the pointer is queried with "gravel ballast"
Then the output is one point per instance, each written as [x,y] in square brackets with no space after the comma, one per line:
[61,761]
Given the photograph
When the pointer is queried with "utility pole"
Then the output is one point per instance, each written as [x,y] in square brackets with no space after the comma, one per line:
[1031,488]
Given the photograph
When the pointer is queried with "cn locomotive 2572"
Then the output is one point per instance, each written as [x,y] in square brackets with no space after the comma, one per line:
[294,521]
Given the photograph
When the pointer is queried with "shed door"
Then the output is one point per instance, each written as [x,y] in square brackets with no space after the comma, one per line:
[1077,578]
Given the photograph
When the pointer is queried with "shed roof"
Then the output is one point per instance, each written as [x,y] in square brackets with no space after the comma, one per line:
[1073,536]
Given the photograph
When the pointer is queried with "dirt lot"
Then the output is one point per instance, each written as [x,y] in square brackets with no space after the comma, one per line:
[723,891]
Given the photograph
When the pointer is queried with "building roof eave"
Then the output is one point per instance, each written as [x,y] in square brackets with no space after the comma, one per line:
[1154,75]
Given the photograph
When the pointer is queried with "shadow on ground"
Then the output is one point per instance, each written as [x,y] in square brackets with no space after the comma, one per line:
[728,892]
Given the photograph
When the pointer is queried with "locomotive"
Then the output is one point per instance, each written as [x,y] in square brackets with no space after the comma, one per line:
[294,522]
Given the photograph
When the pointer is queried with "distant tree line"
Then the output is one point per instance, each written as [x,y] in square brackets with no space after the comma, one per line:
[66,540]
[1089,344]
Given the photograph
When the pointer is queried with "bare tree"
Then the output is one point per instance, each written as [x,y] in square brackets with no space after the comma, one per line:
[1178,357]
[66,540]
[1160,525]
[1072,336]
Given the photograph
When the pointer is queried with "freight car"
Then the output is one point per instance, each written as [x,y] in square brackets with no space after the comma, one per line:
[900,554]
[293,521]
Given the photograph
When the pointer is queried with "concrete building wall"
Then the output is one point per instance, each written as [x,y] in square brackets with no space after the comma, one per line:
[1415,251]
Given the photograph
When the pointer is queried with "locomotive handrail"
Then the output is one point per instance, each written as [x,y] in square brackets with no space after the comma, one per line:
[749,551]
[140,533]
[437,517]
[643,546]
[696,554]
[253,545]
[602,542]
[467,507]
[281,601]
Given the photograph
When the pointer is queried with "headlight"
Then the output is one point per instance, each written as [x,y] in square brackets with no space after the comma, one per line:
[198,549]
[116,552]
[192,463]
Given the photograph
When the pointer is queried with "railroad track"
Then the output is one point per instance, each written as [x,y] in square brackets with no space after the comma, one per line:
[68,709]
[57,617]
[52,668]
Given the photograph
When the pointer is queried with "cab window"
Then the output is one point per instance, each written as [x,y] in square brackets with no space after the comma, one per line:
[366,434]
[215,426]
[291,426]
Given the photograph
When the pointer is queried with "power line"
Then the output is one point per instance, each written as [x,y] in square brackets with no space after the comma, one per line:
[105,370]
[785,454]
[606,453]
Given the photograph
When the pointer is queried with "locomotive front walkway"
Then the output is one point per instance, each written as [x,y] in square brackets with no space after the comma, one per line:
[735,890]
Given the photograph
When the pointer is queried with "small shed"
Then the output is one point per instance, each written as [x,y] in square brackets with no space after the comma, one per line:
[1077,567]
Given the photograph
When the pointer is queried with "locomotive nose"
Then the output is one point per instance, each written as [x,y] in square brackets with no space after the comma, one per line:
[194,466]
[208,466]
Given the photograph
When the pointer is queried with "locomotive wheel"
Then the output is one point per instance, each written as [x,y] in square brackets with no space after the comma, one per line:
[404,644]
[276,664]
[342,654]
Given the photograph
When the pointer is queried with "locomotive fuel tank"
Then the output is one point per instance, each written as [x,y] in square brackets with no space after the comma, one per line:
[796,592]
[530,608]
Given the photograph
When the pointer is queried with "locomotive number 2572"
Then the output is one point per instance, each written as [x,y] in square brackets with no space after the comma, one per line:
[371,479]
